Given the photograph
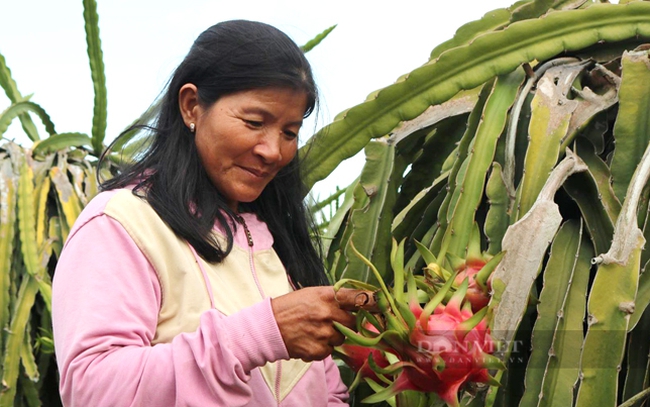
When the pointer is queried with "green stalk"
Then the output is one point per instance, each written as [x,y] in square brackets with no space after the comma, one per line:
[11,90]
[558,274]
[371,223]
[632,123]
[611,300]
[525,244]
[61,141]
[590,190]
[96,59]
[311,44]
[18,108]
[466,67]
[551,115]
[11,358]
[497,219]
[480,159]
[8,188]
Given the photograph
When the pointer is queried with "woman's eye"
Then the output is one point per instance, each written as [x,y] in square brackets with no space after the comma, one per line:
[254,123]
[291,134]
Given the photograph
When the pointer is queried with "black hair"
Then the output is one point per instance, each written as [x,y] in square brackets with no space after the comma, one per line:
[228,57]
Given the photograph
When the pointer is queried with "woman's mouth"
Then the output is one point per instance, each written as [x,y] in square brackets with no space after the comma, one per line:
[256,172]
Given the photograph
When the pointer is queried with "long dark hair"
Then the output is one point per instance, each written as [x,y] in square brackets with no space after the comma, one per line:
[228,57]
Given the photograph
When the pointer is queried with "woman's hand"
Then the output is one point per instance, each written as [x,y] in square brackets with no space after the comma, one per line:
[305,318]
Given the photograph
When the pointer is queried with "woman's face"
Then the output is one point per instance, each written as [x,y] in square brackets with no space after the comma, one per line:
[245,138]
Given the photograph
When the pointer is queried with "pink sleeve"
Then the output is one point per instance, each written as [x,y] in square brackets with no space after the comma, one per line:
[336,390]
[106,299]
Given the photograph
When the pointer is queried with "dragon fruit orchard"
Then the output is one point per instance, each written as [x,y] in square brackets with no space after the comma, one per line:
[471,139]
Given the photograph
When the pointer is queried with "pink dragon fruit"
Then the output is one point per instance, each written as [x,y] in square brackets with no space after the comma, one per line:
[478,289]
[357,358]
[453,348]
[477,268]
[436,349]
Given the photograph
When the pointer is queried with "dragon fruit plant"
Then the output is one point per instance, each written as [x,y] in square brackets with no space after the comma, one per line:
[436,349]
[469,140]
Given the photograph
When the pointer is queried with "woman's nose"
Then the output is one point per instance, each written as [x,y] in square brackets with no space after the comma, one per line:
[269,148]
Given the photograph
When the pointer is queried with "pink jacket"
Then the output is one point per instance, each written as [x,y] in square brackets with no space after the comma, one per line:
[110,315]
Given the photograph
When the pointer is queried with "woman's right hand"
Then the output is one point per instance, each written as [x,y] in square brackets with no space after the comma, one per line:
[305,318]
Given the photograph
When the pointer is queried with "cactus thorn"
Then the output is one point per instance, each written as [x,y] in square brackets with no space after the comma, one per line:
[627,307]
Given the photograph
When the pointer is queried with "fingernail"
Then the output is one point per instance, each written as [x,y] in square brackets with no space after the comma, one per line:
[361,299]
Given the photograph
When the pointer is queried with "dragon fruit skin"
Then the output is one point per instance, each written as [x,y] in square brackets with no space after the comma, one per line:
[478,296]
[356,357]
[447,356]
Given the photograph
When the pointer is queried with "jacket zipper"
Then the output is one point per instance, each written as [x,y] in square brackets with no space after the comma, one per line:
[249,237]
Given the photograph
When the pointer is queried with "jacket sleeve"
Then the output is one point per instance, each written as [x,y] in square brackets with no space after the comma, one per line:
[337,391]
[106,299]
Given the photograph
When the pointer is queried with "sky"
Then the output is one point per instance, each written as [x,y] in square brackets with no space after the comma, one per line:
[374,43]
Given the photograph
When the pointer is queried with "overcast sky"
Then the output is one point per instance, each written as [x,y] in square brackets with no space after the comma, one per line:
[375,42]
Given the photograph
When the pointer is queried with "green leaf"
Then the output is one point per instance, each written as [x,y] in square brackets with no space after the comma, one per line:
[525,244]
[560,270]
[11,358]
[538,8]
[551,115]
[95,56]
[26,220]
[497,219]
[611,300]
[61,141]
[611,294]
[466,67]
[372,222]
[18,108]
[27,358]
[7,82]
[642,298]
[632,128]
[11,90]
[638,349]
[421,209]
[562,369]
[439,142]
[491,21]
[590,190]
[68,202]
[495,115]
[336,226]
[457,167]
[8,199]
[317,39]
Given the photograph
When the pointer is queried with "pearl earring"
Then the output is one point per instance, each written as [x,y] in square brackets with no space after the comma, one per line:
[192,127]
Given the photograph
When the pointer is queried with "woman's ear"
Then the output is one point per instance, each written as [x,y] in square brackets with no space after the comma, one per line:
[188,103]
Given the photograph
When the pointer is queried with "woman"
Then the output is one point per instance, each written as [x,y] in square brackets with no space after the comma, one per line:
[177,284]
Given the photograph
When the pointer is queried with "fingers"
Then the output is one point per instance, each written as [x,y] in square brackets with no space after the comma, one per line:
[305,318]
[354,300]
